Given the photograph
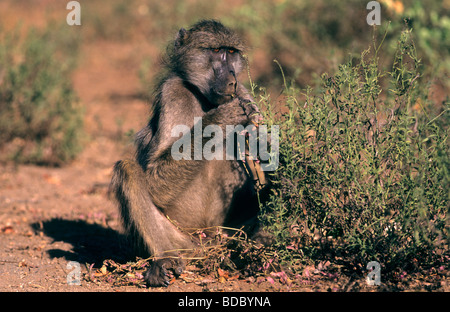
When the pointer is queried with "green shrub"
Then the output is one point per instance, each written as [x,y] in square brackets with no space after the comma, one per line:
[40,119]
[363,173]
[310,37]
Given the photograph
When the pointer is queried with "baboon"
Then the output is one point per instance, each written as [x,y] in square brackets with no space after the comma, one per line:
[157,195]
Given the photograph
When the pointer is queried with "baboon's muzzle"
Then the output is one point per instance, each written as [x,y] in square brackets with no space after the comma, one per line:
[225,77]
[225,84]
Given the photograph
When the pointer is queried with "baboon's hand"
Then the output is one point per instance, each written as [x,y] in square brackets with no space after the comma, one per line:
[251,110]
[238,111]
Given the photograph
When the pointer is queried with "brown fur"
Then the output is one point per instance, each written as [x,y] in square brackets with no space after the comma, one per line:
[194,193]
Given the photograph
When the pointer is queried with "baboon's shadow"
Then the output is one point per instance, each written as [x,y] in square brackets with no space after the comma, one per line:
[92,243]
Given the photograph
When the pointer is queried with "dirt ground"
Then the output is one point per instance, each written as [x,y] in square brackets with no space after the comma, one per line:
[51,216]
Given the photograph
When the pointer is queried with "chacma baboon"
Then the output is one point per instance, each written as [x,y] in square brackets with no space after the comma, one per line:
[154,190]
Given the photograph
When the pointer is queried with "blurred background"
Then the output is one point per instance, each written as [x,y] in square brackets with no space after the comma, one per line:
[98,77]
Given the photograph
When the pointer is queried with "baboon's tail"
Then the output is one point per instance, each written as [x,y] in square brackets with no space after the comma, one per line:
[151,232]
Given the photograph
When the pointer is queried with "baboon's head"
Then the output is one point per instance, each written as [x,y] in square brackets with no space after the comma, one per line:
[209,56]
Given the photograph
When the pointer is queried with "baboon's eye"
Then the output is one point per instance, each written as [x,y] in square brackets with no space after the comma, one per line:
[231,51]
[216,50]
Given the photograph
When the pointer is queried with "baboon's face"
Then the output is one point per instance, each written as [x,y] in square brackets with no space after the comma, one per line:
[214,70]
[209,56]
[225,63]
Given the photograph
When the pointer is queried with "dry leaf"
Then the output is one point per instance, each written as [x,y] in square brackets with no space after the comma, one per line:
[8,229]
[51,179]
[270,280]
[222,273]
[234,277]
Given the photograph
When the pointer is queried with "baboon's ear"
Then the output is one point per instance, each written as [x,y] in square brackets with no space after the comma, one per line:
[180,38]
